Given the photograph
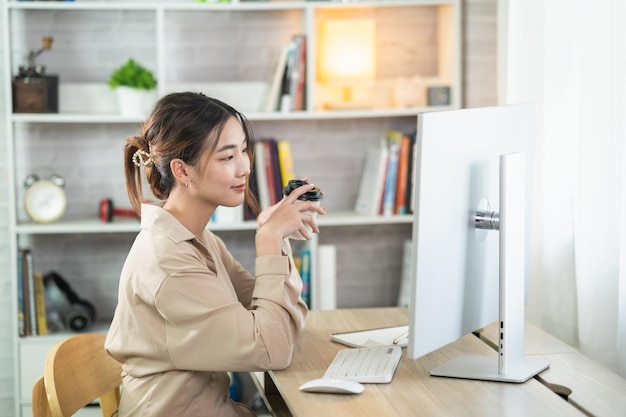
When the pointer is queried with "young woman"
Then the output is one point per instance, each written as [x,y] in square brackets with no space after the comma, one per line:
[187,311]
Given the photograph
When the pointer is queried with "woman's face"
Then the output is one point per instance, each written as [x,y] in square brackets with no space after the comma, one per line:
[223,175]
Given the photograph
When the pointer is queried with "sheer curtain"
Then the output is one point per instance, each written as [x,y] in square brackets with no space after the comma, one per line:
[569,56]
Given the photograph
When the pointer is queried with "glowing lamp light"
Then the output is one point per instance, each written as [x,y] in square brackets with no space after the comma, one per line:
[347,56]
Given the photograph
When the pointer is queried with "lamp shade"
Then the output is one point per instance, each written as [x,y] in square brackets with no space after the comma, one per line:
[347,50]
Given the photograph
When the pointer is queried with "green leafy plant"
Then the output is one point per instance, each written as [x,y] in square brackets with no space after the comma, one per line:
[134,75]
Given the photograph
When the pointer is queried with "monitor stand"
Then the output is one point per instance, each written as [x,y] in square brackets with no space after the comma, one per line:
[510,365]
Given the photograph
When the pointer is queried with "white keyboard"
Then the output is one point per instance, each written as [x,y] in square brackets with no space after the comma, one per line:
[366,365]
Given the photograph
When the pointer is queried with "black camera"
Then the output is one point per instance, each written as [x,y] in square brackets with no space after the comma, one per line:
[75,313]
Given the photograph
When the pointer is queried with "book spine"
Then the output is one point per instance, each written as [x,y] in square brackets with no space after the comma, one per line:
[285,161]
[21,325]
[305,274]
[272,99]
[410,175]
[286,94]
[372,180]
[298,72]
[32,306]
[269,171]
[414,169]
[27,327]
[276,170]
[261,174]
[40,304]
[403,175]
[389,200]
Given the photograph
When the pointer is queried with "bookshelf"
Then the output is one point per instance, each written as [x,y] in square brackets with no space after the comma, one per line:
[222,49]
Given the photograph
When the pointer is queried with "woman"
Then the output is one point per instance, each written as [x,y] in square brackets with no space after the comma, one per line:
[187,311]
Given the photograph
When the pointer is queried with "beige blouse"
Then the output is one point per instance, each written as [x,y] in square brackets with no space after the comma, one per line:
[188,312]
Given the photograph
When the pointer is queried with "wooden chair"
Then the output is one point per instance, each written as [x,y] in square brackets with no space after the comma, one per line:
[40,400]
[78,371]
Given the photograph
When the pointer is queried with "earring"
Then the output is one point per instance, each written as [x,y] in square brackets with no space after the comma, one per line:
[187,183]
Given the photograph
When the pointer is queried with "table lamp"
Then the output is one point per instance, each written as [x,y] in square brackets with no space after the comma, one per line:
[347,61]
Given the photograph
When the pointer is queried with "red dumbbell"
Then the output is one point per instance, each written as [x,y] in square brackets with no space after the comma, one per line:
[107,211]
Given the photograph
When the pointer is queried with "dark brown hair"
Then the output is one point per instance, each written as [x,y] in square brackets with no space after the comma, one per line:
[181,126]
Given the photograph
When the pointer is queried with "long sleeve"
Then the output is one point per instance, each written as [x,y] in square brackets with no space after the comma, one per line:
[188,304]
[199,309]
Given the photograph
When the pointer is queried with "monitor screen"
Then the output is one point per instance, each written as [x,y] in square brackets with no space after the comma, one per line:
[454,265]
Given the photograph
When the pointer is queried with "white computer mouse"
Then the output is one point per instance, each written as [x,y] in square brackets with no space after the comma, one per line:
[332,386]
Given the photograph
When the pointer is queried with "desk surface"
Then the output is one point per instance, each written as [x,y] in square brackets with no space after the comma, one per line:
[413,391]
[588,385]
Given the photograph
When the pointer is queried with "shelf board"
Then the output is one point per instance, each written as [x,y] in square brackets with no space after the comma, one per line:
[77,227]
[73,118]
[239,5]
[152,6]
[87,226]
[350,218]
[258,116]
[116,226]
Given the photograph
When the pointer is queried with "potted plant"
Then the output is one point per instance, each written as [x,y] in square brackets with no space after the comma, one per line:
[135,87]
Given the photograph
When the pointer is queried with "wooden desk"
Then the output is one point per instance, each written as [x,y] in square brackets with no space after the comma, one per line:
[413,392]
[586,384]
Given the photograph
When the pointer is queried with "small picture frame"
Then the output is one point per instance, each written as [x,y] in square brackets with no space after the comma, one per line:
[438,96]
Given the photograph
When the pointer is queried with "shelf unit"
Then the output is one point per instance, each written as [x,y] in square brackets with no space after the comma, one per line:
[222,49]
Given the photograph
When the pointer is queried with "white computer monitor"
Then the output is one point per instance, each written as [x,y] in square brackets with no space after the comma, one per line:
[456,267]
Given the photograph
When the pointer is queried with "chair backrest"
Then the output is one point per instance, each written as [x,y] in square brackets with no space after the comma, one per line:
[40,399]
[78,370]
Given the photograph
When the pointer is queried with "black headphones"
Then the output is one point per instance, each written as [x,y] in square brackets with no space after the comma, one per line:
[75,313]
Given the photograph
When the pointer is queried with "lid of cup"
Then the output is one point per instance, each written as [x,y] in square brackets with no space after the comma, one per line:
[314,194]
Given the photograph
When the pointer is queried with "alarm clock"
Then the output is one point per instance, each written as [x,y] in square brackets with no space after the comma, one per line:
[44,200]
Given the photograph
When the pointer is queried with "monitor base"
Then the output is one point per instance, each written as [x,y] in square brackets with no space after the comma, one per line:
[486,369]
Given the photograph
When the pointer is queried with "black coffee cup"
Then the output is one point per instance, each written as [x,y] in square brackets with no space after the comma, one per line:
[312,195]
[315,195]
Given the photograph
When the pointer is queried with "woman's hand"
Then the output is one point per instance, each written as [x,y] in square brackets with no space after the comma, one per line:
[267,213]
[289,216]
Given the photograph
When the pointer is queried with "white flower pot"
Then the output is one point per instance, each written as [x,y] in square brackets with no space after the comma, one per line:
[133,102]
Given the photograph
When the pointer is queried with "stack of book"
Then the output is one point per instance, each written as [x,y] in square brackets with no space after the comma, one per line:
[273,168]
[31,297]
[287,84]
[388,176]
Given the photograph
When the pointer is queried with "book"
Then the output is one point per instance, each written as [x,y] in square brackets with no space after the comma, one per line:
[285,92]
[298,73]
[270,169]
[414,170]
[411,171]
[403,175]
[305,274]
[29,277]
[260,175]
[272,96]
[372,182]
[40,304]
[276,175]
[382,336]
[21,325]
[26,290]
[285,161]
[389,196]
